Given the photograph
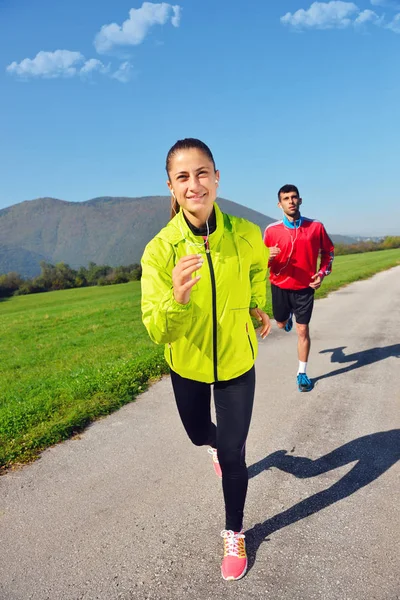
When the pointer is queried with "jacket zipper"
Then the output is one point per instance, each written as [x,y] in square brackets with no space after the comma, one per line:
[248,337]
[214,307]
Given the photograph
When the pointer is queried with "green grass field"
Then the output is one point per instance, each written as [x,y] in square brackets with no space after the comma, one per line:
[68,357]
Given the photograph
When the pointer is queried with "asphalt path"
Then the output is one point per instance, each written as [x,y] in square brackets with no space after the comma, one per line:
[131,510]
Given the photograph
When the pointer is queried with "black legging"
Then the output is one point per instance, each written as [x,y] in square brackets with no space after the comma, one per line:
[233,406]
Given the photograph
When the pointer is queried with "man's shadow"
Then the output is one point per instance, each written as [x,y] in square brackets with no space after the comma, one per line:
[359,359]
[374,453]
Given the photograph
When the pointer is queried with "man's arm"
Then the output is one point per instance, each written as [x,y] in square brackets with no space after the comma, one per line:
[327,250]
[327,253]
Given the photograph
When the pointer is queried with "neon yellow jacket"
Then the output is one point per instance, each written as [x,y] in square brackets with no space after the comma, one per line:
[211,338]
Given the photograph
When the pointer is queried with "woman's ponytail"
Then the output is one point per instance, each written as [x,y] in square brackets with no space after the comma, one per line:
[174,207]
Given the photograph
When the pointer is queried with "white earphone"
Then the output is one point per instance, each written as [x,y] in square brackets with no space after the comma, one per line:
[189,243]
[293,239]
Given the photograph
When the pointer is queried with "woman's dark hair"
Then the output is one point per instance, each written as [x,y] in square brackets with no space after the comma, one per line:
[185,144]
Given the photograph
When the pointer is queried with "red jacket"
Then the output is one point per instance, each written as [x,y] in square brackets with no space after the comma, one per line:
[300,243]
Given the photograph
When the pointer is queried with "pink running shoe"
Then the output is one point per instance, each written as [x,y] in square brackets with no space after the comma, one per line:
[217,467]
[234,563]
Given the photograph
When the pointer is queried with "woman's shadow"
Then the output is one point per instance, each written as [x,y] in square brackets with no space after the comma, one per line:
[359,359]
[374,453]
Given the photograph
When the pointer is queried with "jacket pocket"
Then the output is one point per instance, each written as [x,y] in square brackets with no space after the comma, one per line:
[248,337]
[170,354]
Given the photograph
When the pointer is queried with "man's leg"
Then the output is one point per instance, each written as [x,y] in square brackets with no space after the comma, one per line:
[280,306]
[303,301]
[303,342]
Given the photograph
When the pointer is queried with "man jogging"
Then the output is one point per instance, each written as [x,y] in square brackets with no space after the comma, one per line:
[295,244]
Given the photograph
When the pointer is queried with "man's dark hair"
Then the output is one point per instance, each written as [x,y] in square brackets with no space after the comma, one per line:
[285,189]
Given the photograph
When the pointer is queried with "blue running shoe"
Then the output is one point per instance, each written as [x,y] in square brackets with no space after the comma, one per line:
[289,323]
[304,384]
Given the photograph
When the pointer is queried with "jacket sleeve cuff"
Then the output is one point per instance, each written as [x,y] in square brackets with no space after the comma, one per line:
[180,307]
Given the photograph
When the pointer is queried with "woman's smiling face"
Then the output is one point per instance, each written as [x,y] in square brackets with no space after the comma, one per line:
[193,181]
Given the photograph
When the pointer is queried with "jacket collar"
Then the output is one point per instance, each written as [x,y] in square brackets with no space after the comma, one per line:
[178,230]
[292,224]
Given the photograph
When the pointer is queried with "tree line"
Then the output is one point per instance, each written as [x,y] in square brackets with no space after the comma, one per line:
[387,243]
[62,277]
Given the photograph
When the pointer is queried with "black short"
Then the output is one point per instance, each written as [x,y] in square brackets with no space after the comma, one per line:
[298,302]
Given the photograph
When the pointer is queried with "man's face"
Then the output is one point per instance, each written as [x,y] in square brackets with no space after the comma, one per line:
[290,204]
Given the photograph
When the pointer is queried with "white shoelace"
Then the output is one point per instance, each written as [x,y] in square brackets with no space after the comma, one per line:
[232,542]
[214,454]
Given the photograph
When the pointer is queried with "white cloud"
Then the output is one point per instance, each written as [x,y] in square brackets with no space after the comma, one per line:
[388,3]
[395,24]
[61,63]
[124,73]
[322,15]
[92,65]
[368,16]
[176,19]
[134,30]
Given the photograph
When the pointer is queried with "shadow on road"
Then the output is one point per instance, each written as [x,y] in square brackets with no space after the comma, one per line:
[374,453]
[360,359]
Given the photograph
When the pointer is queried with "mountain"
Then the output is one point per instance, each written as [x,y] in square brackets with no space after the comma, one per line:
[14,258]
[107,230]
[343,239]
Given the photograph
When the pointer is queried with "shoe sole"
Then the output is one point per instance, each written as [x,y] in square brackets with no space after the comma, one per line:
[289,326]
[217,467]
[218,472]
[235,578]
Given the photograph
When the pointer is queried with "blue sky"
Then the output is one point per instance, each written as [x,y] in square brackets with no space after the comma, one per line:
[93,94]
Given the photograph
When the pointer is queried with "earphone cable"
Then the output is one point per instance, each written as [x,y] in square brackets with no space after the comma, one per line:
[194,244]
[291,250]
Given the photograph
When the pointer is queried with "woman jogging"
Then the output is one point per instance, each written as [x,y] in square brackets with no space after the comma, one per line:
[204,276]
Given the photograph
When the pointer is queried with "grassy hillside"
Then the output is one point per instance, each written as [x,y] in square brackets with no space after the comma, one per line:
[68,357]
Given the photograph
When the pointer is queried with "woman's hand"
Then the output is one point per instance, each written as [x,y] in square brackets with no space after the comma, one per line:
[182,279]
[263,318]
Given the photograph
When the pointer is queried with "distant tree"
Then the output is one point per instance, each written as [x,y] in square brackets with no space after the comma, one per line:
[136,272]
[55,277]
[47,275]
[97,272]
[9,284]
[30,287]
[64,277]
[81,279]
[387,243]
[391,241]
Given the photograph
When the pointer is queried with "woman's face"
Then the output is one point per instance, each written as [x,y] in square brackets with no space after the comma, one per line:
[194,183]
